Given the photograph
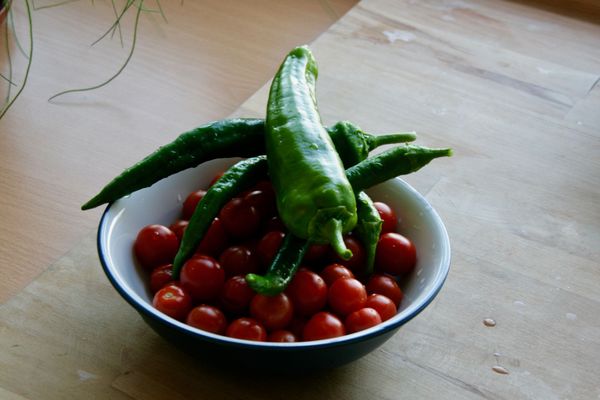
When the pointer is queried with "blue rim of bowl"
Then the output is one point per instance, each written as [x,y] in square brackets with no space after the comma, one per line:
[394,323]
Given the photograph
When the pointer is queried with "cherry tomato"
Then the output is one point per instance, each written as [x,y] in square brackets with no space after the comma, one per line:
[307,291]
[274,312]
[202,277]
[268,246]
[155,245]
[236,295]
[395,254]
[207,318]
[160,277]
[173,301]
[190,203]
[347,295]
[334,271]
[239,260]
[247,328]
[178,227]
[356,263]
[275,224]
[282,336]
[263,201]
[388,216]
[323,325]
[214,241]
[317,253]
[240,219]
[385,285]
[361,319]
[382,304]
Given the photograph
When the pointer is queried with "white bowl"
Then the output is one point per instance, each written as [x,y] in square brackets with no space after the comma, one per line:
[161,203]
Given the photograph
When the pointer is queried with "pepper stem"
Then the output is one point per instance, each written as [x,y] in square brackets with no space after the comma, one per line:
[333,231]
[391,138]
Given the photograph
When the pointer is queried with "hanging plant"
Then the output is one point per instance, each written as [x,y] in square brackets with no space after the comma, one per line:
[7,24]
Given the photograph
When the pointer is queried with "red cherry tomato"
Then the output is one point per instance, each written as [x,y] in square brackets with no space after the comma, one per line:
[323,325]
[307,291]
[173,301]
[263,200]
[239,260]
[202,277]
[282,336]
[275,224]
[240,219]
[334,271]
[247,328]
[383,305]
[388,216]
[207,318]
[386,286]
[317,254]
[396,255]
[155,245]
[160,277]
[215,240]
[274,312]
[236,295]
[361,319]
[268,246]
[178,227]
[356,263]
[190,203]
[346,295]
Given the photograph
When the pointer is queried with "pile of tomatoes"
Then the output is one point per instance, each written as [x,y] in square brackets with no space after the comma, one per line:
[328,297]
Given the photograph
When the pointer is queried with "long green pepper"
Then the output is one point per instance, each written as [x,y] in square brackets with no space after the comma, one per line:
[314,198]
[238,137]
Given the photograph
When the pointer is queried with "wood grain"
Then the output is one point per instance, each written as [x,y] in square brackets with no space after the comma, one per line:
[513,88]
[197,67]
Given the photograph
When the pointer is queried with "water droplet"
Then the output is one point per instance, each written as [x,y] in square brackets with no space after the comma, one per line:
[497,354]
[518,303]
[579,123]
[490,323]
[500,370]
[571,316]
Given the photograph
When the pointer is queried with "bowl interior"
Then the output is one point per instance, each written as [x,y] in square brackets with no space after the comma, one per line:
[162,203]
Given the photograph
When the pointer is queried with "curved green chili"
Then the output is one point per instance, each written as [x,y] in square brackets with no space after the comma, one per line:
[314,198]
[237,178]
[240,137]
[386,165]
[368,228]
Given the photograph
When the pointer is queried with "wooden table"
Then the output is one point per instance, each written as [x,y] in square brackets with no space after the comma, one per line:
[511,86]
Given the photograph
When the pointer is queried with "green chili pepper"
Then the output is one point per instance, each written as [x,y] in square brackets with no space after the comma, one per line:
[386,165]
[370,172]
[240,137]
[227,138]
[237,178]
[282,268]
[368,228]
[314,198]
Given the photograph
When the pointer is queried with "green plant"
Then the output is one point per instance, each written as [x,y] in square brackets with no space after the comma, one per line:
[115,28]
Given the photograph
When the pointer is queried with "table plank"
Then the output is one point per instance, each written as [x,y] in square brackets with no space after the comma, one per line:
[513,89]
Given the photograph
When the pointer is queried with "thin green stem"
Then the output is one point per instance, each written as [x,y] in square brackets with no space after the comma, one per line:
[29,18]
[135,30]
[161,11]
[60,3]
[11,20]
[114,7]
[117,22]
[7,44]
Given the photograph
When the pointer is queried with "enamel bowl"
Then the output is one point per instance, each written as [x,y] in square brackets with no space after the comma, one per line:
[161,204]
